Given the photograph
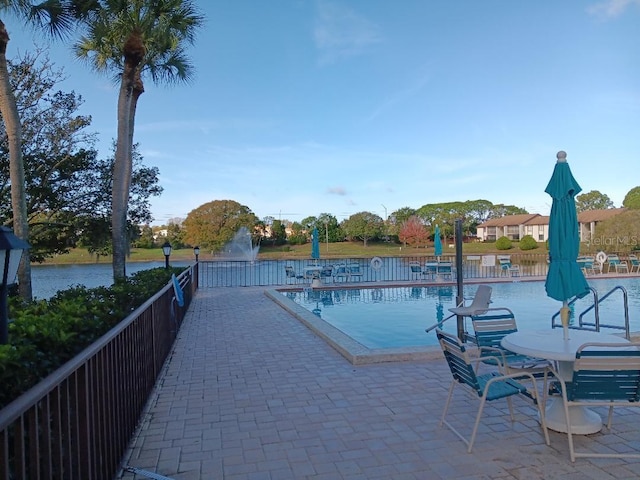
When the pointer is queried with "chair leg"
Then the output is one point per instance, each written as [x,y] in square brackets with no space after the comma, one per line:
[446,405]
[610,417]
[510,405]
[541,410]
[475,426]
[572,453]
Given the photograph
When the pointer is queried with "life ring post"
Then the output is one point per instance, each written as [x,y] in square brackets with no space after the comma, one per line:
[376,263]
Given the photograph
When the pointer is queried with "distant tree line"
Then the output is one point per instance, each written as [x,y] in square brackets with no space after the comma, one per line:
[213,224]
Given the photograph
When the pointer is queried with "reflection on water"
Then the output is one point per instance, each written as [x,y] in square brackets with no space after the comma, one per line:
[46,280]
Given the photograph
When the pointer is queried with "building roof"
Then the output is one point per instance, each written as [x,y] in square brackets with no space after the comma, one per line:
[539,220]
[509,220]
[589,216]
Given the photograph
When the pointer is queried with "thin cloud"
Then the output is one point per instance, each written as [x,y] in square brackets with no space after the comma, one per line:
[400,96]
[342,33]
[337,191]
[611,8]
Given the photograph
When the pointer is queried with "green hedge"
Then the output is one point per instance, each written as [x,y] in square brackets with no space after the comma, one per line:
[45,334]
[503,243]
[528,243]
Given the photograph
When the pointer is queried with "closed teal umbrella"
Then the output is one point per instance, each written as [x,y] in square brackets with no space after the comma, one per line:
[315,244]
[564,278]
[437,242]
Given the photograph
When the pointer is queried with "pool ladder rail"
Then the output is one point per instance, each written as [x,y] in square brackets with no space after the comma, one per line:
[595,325]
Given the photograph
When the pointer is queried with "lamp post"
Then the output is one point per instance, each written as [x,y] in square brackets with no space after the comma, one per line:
[196,252]
[11,249]
[166,249]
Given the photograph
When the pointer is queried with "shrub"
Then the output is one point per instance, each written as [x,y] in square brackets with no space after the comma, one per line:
[45,334]
[528,243]
[503,243]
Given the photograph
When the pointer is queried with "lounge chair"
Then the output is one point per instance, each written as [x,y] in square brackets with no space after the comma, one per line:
[444,269]
[479,304]
[415,270]
[354,271]
[618,265]
[311,272]
[635,264]
[326,273]
[430,269]
[604,374]
[341,272]
[589,266]
[507,268]
[486,387]
[291,274]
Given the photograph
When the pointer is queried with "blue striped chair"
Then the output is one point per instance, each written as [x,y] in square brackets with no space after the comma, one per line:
[604,374]
[489,329]
[486,387]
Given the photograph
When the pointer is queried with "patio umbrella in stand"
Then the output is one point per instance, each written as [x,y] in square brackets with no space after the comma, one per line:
[315,244]
[564,278]
[437,243]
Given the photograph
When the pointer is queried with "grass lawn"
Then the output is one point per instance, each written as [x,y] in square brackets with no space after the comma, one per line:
[333,250]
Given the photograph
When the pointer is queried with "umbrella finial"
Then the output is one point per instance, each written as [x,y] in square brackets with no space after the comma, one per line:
[561,156]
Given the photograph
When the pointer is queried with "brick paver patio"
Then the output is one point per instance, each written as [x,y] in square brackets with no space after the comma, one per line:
[251,393]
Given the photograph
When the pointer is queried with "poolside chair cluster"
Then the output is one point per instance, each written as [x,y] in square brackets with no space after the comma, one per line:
[611,263]
[604,374]
[432,270]
[326,273]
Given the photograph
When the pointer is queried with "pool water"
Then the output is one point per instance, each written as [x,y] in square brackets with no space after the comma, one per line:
[390,317]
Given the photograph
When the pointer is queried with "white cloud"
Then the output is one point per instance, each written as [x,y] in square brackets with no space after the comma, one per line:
[341,33]
[611,8]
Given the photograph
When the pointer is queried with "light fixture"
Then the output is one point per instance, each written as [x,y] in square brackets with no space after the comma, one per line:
[166,249]
[196,252]
[11,250]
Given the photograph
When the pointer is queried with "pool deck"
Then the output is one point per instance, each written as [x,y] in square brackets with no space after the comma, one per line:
[249,392]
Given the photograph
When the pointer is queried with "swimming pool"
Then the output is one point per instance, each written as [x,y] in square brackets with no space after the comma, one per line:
[396,317]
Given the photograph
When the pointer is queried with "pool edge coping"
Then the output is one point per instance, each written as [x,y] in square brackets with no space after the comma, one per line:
[353,351]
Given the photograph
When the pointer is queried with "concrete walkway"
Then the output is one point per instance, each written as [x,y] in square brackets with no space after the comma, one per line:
[250,393]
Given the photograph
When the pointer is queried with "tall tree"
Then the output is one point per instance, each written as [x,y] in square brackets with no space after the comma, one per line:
[593,200]
[214,224]
[364,226]
[134,38]
[66,185]
[54,17]
[397,219]
[413,233]
[632,199]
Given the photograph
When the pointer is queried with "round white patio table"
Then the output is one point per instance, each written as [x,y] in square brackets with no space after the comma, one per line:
[550,344]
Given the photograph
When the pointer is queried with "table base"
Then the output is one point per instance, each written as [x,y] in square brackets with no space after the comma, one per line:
[583,420]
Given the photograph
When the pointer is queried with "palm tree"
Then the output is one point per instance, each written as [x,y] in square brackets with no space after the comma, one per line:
[56,18]
[133,38]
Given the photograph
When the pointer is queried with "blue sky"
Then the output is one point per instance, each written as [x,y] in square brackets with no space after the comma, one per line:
[300,107]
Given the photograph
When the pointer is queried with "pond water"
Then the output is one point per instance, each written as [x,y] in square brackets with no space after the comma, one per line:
[46,280]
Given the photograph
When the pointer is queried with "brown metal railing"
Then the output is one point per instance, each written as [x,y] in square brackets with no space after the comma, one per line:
[77,423]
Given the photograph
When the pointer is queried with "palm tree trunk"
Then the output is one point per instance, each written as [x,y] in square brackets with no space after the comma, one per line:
[123,168]
[11,118]
[121,179]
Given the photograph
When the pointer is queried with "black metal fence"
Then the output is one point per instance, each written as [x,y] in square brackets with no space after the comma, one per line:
[77,423]
[229,273]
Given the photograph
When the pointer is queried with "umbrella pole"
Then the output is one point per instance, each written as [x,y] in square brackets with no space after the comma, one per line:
[565,312]
[459,278]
